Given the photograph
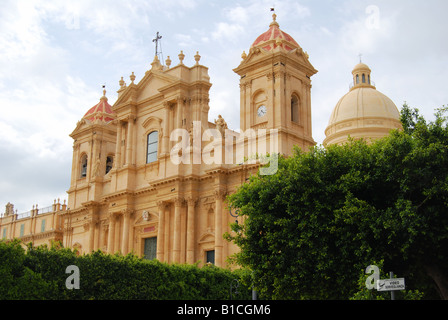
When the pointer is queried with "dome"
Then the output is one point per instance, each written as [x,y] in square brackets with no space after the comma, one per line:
[101,111]
[363,112]
[274,38]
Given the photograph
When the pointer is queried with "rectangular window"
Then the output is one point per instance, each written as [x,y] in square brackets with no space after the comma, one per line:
[150,250]
[153,139]
[22,229]
[42,226]
[210,256]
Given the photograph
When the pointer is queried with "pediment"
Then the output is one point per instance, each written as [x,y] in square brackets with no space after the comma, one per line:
[207,237]
[148,87]
[145,217]
[152,122]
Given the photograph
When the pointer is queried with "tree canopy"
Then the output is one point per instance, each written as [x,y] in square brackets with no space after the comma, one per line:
[308,230]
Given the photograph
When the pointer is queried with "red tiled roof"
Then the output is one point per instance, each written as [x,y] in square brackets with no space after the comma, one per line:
[100,111]
[268,40]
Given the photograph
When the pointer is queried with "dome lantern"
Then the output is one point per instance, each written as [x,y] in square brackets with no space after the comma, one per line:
[361,76]
[363,112]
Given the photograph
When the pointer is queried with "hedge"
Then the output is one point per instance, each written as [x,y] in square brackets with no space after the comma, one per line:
[39,273]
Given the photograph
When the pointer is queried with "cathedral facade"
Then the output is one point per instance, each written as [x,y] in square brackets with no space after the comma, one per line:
[150,173]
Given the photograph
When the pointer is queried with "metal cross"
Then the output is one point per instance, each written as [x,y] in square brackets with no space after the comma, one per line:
[156,40]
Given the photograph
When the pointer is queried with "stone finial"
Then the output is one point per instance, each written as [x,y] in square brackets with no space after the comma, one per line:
[132,77]
[244,55]
[168,62]
[274,20]
[197,57]
[156,64]
[181,57]
[122,83]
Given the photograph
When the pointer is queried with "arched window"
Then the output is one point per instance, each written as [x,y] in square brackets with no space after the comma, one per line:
[109,163]
[295,109]
[368,79]
[152,142]
[363,78]
[83,166]
[357,79]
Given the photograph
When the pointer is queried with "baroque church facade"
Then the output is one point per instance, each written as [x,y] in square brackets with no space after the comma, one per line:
[150,173]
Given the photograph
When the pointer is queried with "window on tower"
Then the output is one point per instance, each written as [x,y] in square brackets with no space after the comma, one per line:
[152,142]
[295,109]
[83,166]
[109,163]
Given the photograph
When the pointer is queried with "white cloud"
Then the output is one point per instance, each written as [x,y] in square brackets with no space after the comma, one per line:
[227,31]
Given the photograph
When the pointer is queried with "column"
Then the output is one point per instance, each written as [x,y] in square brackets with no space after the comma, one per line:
[97,236]
[166,129]
[117,233]
[102,229]
[161,231]
[91,234]
[117,160]
[167,239]
[177,229]
[190,230]
[111,235]
[179,113]
[219,195]
[129,140]
[125,238]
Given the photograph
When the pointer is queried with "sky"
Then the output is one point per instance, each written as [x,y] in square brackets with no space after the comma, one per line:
[55,57]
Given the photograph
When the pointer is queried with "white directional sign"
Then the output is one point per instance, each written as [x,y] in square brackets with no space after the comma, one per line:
[390,284]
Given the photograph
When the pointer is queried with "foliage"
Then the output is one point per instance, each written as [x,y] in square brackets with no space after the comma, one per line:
[328,213]
[40,273]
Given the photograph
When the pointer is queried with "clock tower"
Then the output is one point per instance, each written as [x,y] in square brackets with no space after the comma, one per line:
[275,89]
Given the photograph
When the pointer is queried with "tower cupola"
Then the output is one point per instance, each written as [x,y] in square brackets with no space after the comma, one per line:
[361,76]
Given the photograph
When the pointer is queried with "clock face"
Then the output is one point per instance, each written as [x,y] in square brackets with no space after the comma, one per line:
[261,111]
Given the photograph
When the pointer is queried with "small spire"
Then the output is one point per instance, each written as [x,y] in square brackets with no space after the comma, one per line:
[156,64]
[274,19]
[104,93]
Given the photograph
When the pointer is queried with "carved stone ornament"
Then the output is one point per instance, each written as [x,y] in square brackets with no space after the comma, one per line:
[145,215]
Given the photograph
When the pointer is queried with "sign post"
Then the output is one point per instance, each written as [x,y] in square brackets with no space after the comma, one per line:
[391,285]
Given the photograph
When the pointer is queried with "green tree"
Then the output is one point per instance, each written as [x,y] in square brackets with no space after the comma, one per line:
[329,212]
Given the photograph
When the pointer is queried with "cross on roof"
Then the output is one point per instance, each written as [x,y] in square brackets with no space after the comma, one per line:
[156,40]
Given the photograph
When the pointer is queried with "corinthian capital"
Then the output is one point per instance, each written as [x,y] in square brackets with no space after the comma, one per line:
[220,193]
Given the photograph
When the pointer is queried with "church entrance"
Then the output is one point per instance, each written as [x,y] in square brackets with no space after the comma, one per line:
[150,248]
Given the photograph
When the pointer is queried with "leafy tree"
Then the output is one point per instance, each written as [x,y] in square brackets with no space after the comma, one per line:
[328,213]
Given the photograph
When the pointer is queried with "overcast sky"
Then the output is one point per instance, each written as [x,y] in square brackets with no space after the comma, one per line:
[55,56]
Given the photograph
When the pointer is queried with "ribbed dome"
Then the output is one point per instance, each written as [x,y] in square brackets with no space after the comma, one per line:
[101,111]
[363,112]
[274,38]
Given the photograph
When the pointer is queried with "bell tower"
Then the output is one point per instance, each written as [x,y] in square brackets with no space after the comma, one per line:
[93,154]
[275,89]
